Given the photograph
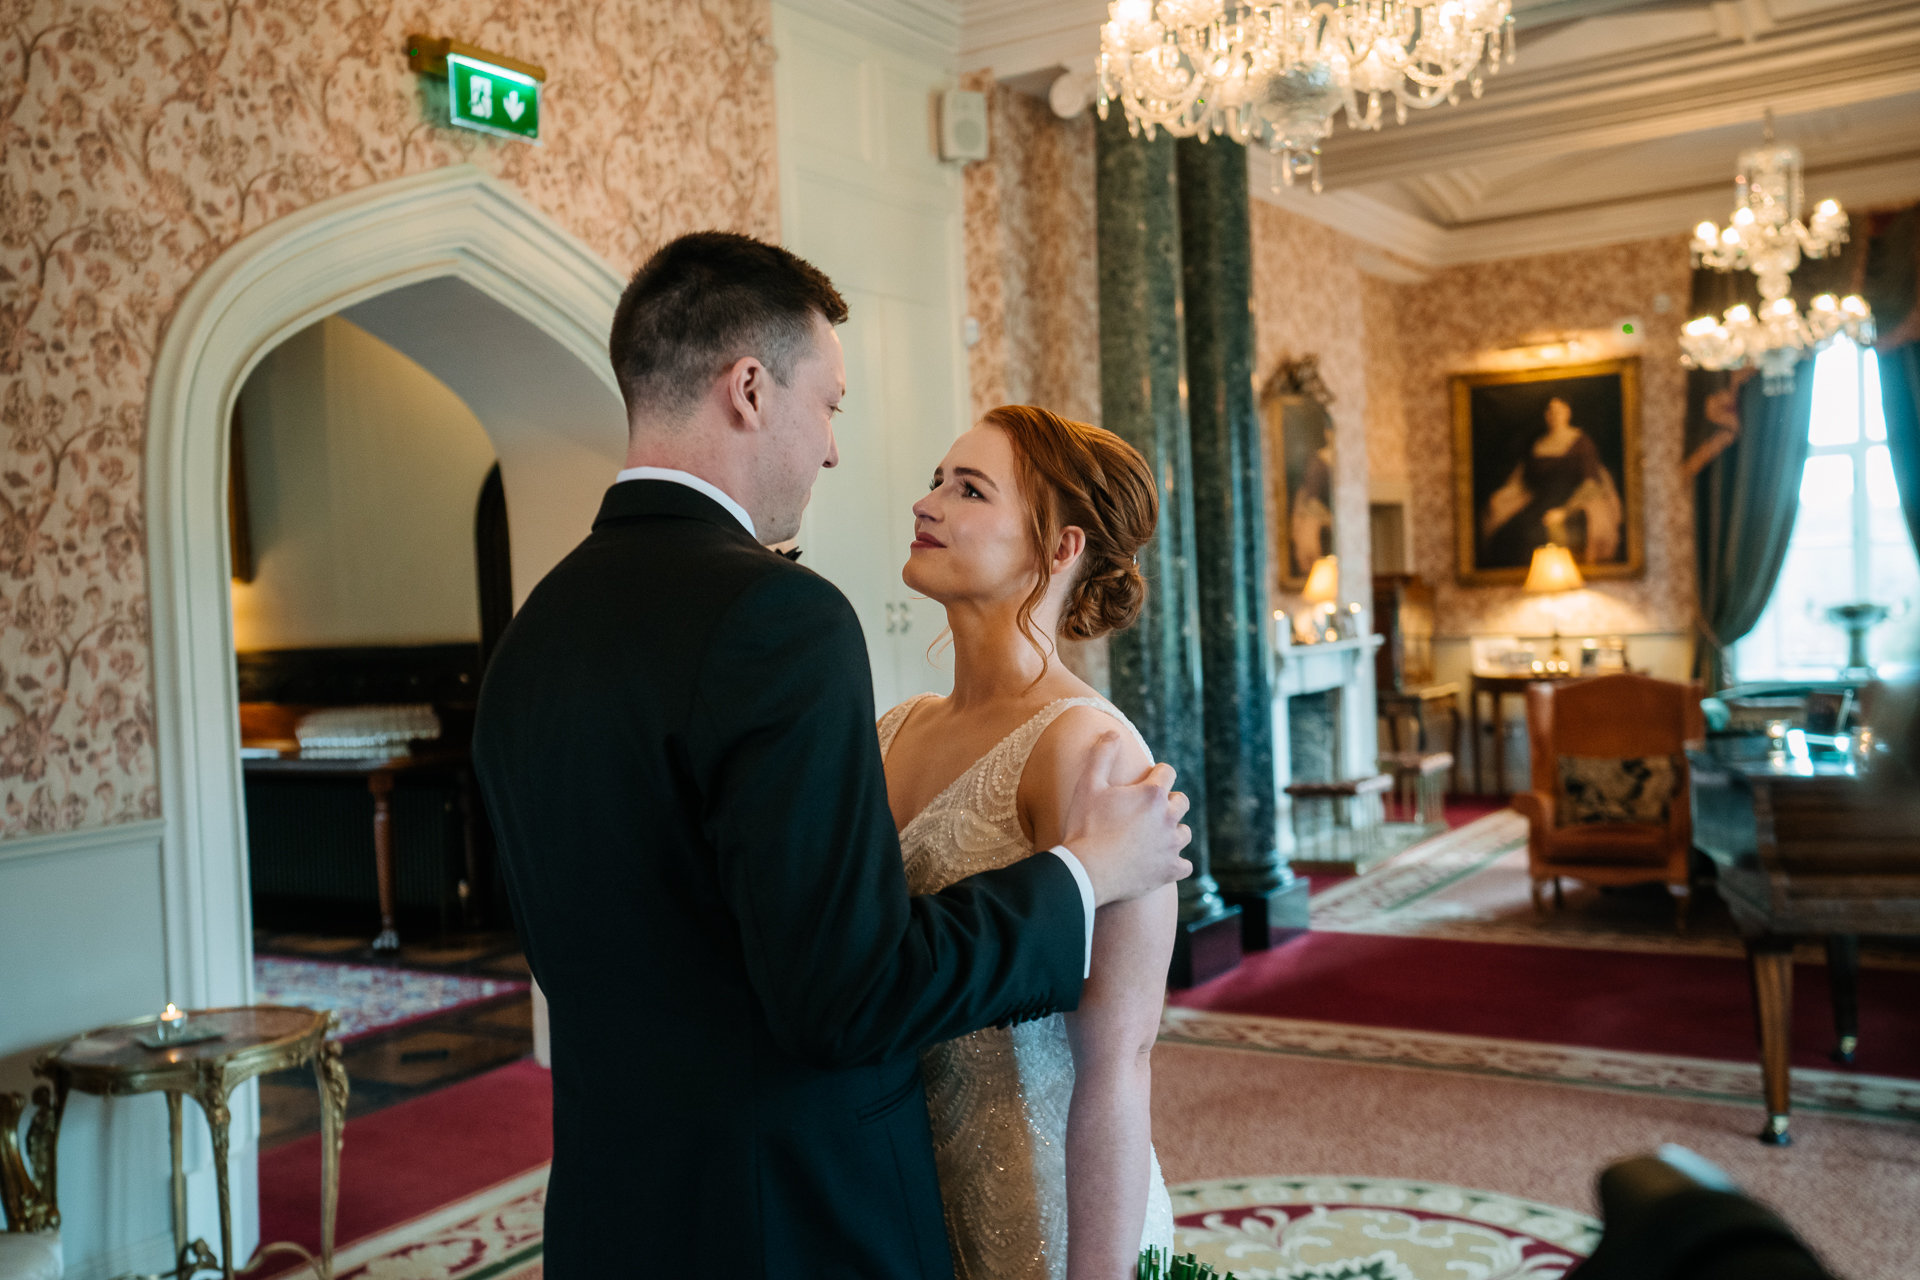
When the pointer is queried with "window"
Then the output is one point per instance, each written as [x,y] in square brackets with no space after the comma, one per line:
[1850,541]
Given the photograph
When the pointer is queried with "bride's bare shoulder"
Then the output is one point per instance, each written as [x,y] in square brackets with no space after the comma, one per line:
[1062,756]
[1074,732]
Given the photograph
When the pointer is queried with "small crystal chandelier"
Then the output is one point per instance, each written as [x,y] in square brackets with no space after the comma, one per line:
[1767,237]
[1275,72]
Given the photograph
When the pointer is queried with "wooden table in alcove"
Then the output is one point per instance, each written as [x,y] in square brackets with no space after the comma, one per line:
[1499,686]
[380,773]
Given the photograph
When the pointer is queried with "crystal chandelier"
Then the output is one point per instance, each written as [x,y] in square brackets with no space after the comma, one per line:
[1277,73]
[1767,237]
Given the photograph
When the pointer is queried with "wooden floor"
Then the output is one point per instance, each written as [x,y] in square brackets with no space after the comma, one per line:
[392,1066]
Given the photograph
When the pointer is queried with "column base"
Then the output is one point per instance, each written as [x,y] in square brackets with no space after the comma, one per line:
[1205,948]
[1277,916]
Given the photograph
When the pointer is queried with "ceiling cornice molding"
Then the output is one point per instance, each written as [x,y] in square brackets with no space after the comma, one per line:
[1363,217]
[1529,14]
[1804,66]
[928,30]
[1885,182]
[1016,37]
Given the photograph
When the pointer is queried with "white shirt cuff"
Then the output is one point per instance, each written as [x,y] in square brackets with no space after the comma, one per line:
[1086,898]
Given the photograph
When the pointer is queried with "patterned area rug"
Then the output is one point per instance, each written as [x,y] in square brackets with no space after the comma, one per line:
[1471,885]
[369,998]
[495,1235]
[1700,1079]
[1342,1228]
[1285,1228]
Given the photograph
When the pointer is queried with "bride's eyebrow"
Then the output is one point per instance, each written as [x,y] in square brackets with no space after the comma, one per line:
[981,476]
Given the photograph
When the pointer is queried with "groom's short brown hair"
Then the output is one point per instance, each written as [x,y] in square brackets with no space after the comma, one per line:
[702,302]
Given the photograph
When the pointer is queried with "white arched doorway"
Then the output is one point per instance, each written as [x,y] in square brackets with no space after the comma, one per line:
[461,274]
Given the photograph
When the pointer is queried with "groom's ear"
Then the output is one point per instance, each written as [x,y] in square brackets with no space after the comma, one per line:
[746,383]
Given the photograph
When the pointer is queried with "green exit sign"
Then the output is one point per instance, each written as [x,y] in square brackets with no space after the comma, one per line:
[493,99]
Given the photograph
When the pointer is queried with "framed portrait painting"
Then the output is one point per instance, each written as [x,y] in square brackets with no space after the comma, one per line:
[1548,455]
[1299,471]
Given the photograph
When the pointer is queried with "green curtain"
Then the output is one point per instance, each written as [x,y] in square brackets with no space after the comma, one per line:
[1900,397]
[1891,280]
[1744,502]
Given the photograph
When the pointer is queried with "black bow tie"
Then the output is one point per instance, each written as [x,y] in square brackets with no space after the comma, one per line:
[793,554]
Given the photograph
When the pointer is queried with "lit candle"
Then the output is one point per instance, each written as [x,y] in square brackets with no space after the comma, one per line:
[172,1020]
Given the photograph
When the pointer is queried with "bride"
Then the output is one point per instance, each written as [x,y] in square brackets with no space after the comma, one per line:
[1041,1131]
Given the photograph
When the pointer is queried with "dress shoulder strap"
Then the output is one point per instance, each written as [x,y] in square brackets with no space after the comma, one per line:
[1020,743]
[890,723]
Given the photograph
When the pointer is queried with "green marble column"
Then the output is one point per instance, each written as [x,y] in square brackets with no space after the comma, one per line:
[1230,538]
[1155,664]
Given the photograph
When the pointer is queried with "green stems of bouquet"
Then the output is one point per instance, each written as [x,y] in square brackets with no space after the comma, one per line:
[1159,1264]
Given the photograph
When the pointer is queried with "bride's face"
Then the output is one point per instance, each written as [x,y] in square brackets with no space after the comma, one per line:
[971,531]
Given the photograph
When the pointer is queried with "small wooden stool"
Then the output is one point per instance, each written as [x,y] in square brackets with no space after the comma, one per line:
[1419,784]
[1418,706]
[1344,821]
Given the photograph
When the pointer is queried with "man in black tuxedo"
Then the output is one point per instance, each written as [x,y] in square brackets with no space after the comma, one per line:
[676,742]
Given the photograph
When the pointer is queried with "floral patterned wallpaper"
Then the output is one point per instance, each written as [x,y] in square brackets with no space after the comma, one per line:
[1032,284]
[1308,298]
[1457,321]
[1386,405]
[1386,350]
[144,137]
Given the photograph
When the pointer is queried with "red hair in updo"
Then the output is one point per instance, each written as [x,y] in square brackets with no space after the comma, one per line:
[1075,474]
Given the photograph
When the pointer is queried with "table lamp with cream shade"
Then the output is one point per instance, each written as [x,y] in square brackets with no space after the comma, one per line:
[1553,573]
[1321,591]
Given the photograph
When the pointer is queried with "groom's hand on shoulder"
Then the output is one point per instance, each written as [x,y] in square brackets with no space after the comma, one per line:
[1128,835]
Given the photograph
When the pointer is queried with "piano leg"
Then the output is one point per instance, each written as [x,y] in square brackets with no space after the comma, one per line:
[1771,962]
[1843,979]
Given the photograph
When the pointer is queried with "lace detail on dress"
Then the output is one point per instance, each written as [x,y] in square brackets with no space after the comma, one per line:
[998,1098]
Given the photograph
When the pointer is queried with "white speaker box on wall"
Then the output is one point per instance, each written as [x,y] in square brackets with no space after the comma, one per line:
[963,125]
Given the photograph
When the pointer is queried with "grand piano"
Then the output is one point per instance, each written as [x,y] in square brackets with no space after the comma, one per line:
[1813,836]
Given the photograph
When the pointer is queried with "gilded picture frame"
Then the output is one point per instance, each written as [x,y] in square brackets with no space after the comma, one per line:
[1548,455]
[1299,456]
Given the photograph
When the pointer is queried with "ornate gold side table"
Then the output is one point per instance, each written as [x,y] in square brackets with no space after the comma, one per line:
[253,1040]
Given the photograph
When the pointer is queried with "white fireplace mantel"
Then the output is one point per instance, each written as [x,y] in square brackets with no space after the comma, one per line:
[1346,665]
[1315,668]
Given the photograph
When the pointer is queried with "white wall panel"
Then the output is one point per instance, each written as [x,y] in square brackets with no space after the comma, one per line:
[82,945]
[865,197]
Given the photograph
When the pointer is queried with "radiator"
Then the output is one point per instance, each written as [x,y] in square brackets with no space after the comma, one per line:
[311,840]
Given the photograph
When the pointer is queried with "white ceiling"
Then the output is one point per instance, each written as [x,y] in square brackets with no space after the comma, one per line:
[1621,119]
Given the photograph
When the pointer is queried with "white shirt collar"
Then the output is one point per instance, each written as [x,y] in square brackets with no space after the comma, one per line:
[697,485]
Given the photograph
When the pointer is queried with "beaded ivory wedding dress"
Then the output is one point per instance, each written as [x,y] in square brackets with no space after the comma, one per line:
[998,1098]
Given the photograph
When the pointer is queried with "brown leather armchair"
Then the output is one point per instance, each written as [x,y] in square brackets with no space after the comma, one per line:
[1611,717]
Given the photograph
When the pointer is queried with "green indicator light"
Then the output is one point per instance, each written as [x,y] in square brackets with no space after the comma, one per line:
[1626,328]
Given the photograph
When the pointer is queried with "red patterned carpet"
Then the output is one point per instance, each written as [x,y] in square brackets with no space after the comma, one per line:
[413,1158]
[1450,1059]
[1850,1186]
[1689,1005]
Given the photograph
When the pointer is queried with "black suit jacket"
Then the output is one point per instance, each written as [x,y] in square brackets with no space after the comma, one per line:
[676,743]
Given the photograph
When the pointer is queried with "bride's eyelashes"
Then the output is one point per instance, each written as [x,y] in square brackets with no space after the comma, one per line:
[966,488]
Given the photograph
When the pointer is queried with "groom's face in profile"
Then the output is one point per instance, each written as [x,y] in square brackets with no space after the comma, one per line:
[798,419]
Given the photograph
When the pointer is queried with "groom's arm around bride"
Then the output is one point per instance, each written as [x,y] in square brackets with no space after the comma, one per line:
[676,743]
